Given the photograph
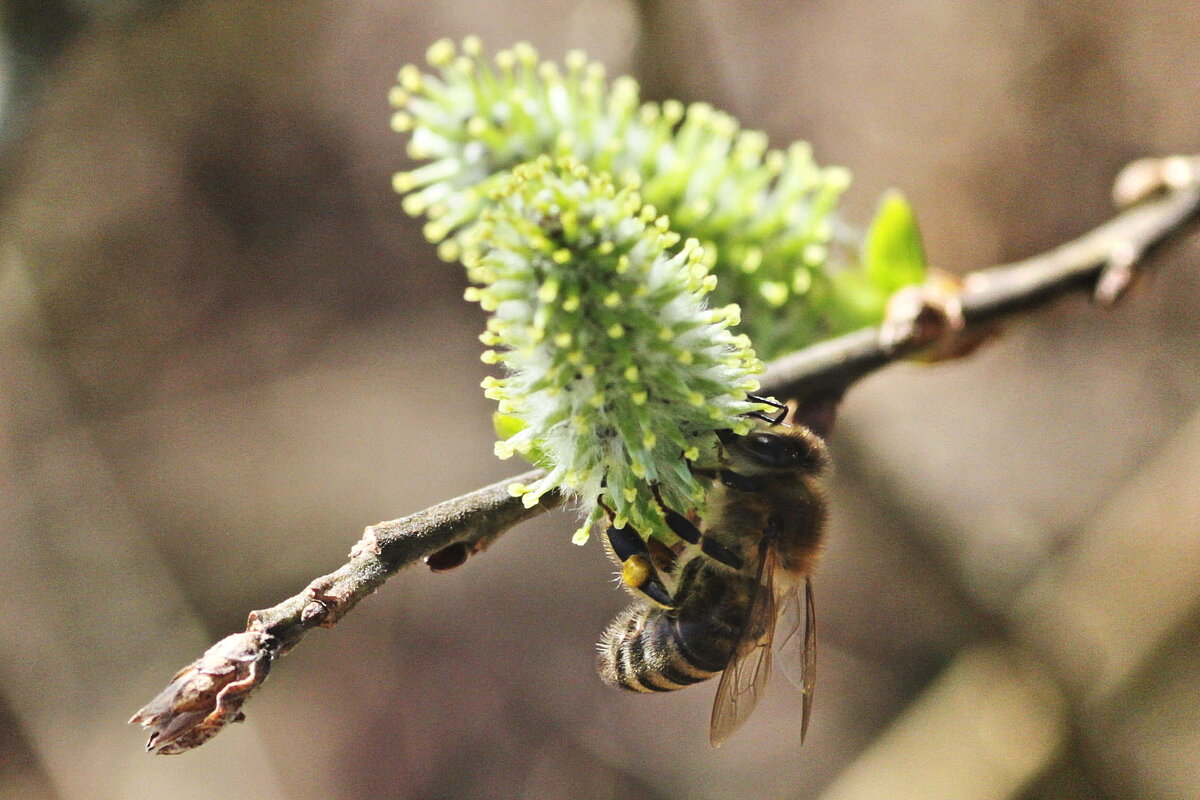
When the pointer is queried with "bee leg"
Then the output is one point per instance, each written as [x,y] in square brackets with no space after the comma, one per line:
[719,552]
[680,525]
[637,570]
[685,529]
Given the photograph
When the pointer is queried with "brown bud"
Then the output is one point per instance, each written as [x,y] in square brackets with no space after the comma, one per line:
[208,694]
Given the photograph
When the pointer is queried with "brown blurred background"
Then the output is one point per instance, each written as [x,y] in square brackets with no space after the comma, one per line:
[224,350]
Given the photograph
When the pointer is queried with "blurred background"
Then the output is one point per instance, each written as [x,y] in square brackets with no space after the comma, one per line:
[224,350]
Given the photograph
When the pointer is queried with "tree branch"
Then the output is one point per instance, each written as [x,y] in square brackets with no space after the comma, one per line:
[1102,262]
[208,694]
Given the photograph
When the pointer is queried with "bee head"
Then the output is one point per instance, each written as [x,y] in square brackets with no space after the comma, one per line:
[776,449]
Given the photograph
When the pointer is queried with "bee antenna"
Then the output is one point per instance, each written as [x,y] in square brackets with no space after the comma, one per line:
[773,403]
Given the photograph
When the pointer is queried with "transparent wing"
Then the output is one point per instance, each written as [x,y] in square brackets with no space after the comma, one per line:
[745,678]
[797,650]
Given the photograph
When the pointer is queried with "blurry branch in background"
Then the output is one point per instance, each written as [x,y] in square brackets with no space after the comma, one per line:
[944,319]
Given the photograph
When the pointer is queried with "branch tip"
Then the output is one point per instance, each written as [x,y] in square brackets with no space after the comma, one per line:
[208,694]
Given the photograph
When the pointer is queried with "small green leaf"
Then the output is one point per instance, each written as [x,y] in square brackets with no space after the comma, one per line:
[892,253]
[856,301]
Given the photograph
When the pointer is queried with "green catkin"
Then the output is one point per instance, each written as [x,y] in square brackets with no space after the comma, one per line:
[765,217]
[616,244]
[581,289]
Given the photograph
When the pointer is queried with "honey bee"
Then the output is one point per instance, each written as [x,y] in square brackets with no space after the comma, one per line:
[750,566]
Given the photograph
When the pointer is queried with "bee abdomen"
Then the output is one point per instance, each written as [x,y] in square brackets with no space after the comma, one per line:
[647,649]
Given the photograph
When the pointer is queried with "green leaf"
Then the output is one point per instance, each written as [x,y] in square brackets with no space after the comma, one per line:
[856,301]
[892,253]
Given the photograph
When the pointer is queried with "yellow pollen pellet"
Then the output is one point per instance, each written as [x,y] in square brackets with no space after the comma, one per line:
[635,571]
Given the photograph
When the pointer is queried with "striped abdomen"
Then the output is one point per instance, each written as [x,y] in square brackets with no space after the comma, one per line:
[650,649]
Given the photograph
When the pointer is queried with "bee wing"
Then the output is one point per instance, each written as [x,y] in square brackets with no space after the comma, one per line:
[797,649]
[745,677]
